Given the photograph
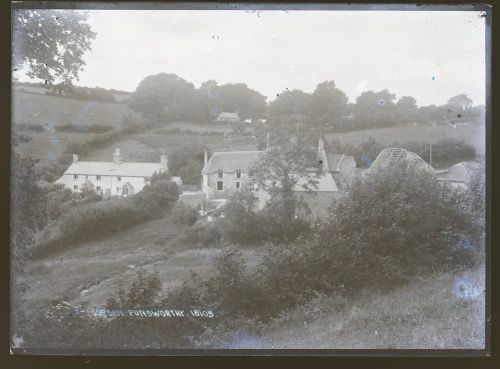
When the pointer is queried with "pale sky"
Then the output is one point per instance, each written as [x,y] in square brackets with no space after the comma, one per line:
[428,55]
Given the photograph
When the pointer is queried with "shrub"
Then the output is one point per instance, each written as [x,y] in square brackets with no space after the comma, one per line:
[94,128]
[94,220]
[203,235]
[183,214]
[241,223]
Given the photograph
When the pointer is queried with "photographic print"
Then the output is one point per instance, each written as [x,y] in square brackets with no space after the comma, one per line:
[248,177]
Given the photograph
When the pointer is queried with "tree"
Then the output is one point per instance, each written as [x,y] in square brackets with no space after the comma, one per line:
[163,98]
[237,97]
[294,103]
[187,162]
[50,44]
[459,103]
[375,109]
[406,110]
[241,222]
[328,105]
[290,111]
[277,172]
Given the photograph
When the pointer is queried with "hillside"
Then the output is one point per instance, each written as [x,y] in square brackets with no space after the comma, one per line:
[471,134]
[94,270]
[437,312]
[52,111]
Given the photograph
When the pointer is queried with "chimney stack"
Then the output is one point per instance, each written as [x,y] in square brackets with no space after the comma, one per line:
[321,144]
[205,159]
[75,158]
[117,157]
[164,162]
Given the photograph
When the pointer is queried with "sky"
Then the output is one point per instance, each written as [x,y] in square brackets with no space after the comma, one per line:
[431,56]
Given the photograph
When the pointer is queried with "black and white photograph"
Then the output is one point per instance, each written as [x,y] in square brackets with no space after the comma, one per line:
[248,177]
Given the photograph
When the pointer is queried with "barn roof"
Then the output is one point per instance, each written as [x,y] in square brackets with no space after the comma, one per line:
[457,173]
[231,161]
[123,169]
[229,115]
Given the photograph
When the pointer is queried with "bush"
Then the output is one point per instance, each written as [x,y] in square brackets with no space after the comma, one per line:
[241,223]
[94,220]
[94,128]
[183,214]
[203,235]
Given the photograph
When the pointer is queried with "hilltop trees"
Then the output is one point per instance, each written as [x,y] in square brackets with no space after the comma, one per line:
[328,105]
[165,97]
[375,109]
[50,44]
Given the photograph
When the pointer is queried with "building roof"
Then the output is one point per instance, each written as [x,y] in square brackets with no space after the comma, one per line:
[231,161]
[457,173]
[334,160]
[124,169]
[229,115]
[387,155]
[325,183]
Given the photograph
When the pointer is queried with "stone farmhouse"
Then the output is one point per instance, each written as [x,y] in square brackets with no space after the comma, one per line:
[226,172]
[226,117]
[114,178]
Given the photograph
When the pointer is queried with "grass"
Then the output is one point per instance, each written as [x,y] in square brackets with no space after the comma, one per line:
[48,147]
[471,134]
[90,273]
[52,111]
[148,146]
[439,312]
[199,128]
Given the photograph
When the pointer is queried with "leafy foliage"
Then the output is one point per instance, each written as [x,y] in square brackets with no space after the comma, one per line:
[277,172]
[50,44]
[94,220]
[183,214]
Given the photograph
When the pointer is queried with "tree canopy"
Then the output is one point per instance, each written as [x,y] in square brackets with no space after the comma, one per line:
[50,44]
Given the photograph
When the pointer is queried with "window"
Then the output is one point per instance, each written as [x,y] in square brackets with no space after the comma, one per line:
[219,174]
[238,174]
[86,177]
[98,189]
[75,176]
[117,189]
[119,179]
[98,178]
[237,184]
[220,186]
[75,187]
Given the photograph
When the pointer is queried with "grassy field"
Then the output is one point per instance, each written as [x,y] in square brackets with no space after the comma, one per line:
[148,146]
[438,312]
[472,134]
[52,111]
[94,270]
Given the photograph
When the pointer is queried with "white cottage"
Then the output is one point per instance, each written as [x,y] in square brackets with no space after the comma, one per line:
[115,178]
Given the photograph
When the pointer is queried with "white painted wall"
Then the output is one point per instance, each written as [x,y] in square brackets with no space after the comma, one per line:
[111,183]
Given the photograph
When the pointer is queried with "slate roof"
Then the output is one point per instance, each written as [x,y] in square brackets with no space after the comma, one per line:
[333,160]
[325,183]
[124,169]
[231,161]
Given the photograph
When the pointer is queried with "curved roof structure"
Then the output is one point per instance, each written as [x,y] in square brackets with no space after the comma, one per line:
[386,156]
